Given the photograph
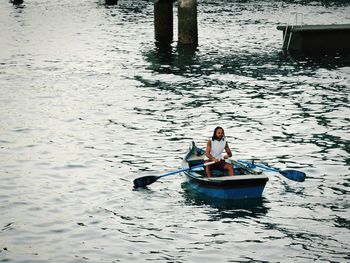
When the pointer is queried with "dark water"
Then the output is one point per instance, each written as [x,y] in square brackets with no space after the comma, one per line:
[89,103]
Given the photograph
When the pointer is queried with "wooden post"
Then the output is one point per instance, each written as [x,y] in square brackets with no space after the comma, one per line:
[163,21]
[187,22]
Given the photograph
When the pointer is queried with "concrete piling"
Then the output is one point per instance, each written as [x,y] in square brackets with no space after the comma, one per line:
[187,22]
[163,21]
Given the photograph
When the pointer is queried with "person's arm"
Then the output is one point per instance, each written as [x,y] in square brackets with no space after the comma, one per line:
[228,151]
[208,154]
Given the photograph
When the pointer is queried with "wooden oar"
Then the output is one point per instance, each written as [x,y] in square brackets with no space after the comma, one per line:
[294,175]
[147,180]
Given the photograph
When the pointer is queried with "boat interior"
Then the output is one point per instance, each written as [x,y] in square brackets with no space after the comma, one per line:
[196,157]
[216,173]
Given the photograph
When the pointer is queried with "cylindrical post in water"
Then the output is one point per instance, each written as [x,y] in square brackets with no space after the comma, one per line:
[163,21]
[187,22]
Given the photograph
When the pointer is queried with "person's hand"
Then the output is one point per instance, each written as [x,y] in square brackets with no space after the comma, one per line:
[226,156]
[216,160]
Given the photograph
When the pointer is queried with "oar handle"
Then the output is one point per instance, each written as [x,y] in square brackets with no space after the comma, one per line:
[267,168]
[186,169]
[253,165]
[294,175]
[146,180]
[201,165]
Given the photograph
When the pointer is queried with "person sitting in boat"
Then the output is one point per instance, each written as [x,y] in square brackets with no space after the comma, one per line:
[215,147]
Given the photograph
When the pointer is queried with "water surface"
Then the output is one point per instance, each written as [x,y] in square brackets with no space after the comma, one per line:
[89,103]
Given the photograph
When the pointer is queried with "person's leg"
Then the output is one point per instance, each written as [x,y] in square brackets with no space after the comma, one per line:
[229,168]
[208,169]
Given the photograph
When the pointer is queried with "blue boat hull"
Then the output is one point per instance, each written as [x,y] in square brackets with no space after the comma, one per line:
[237,189]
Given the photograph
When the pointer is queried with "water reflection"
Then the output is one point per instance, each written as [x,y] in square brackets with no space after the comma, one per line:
[185,61]
[330,60]
[162,54]
[186,54]
[226,209]
[168,58]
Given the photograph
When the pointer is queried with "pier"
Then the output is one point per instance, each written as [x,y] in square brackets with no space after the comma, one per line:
[296,37]
[316,38]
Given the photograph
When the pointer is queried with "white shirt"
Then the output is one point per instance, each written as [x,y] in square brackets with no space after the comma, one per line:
[217,148]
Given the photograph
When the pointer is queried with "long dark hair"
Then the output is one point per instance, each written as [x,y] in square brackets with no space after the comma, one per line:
[214,134]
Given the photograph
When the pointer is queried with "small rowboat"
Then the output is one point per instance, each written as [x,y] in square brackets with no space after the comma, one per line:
[246,183]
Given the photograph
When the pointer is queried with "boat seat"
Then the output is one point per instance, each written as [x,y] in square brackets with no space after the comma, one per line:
[215,173]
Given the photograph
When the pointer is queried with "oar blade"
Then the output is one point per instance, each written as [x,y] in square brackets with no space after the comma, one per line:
[145,180]
[294,175]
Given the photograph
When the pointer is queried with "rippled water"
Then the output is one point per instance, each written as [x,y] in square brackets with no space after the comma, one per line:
[89,103]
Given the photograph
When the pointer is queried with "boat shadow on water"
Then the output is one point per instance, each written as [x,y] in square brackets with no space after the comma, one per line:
[223,208]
